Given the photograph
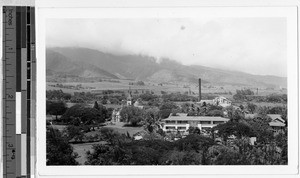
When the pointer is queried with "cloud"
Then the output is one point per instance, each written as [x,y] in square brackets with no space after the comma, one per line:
[253,45]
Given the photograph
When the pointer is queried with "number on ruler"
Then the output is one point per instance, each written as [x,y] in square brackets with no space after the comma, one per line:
[10,96]
[10,145]
[10,16]
[13,154]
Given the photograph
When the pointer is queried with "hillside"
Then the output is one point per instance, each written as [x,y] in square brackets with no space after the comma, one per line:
[59,64]
[92,63]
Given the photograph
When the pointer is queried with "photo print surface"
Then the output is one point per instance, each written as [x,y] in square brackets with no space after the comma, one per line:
[166,91]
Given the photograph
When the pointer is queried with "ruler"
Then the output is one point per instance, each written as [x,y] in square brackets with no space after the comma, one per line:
[18,87]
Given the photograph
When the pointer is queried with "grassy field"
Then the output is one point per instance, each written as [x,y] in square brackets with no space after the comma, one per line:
[157,88]
[82,148]
[119,127]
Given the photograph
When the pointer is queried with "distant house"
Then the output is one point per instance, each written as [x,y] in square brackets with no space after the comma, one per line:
[129,100]
[138,104]
[222,101]
[277,124]
[182,122]
[115,116]
[218,101]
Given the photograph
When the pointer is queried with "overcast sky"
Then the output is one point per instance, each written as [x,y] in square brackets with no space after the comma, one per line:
[252,45]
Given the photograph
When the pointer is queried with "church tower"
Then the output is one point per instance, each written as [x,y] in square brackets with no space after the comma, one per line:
[129,98]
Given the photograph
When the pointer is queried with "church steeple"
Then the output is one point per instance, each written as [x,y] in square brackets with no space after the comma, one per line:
[129,98]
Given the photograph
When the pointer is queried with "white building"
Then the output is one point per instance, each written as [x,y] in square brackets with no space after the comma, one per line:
[222,101]
[138,104]
[182,122]
[218,101]
[129,100]
[115,116]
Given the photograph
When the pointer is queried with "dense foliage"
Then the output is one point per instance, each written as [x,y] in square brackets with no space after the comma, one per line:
[59,151]
[55,108]
[131,115]
[57,95]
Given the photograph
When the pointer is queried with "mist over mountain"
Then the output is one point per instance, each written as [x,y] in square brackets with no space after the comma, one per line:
[85,62]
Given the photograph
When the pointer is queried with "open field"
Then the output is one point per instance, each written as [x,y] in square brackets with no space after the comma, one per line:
[82,148]
[123,85]
[119,127]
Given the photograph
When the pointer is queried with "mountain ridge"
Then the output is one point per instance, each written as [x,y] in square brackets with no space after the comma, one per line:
[140,67]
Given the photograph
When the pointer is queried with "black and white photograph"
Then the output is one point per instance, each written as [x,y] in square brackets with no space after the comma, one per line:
[166,91]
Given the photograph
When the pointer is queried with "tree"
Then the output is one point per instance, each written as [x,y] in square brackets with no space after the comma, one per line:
[57,95]
[56,108]
[195,142]
[274,98]
[148,97]
[185,107]
[194,130]
[193,113]
[84,115]
[165,113]
[151,120]
[235,115]
[166,109]
[77,99]
[108,155]
[114,152]
[213,107]
[239,97]
[74,133]
[261,128]
[241,107]
[277,110]
[96,106]
[223,155]
[215,113]
[142,155]
[132,115]
[184,158]
[262,110]
[168,105]
[251,107]
[114,101]
[59,151]
[233,128]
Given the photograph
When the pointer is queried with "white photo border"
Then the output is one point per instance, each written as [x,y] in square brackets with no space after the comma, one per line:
[46,9]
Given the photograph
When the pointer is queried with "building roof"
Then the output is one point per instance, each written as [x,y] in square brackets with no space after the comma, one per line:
[276,116]
[207,101]
[137,103]
[196,118]
[277,124]
[272,116]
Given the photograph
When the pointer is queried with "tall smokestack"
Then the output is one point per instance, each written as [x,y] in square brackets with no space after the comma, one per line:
[199,89]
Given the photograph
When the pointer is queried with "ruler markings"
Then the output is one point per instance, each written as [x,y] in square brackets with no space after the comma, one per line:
[18,155]
[19,46]
[31,123]
[19,83]
[23,26]
[18,112]
[23,154]
[24,112]
[8,124]
[18,61]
